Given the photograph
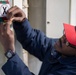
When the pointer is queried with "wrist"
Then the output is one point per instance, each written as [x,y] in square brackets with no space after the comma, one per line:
[12,48]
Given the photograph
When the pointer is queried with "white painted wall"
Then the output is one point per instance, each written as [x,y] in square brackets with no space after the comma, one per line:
[57,13]
[2,59]
[73,13]
[17,3]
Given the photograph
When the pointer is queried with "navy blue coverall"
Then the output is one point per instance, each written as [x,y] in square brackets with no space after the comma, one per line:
[42,47]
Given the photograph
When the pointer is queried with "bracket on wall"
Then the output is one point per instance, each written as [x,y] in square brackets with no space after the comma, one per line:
[25,4]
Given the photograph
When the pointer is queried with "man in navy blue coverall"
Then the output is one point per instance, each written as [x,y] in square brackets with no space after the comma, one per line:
[58,56]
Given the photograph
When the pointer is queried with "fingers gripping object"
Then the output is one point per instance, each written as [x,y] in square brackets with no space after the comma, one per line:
[4,6]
